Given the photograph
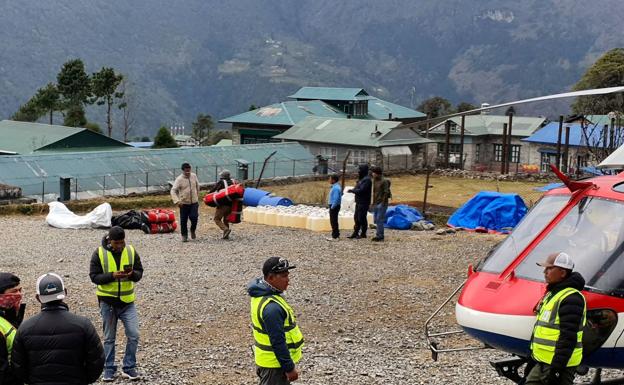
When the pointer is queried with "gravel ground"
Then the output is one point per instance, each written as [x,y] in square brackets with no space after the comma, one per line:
[361,306]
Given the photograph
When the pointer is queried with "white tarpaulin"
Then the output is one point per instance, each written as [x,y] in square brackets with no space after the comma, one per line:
[60,216]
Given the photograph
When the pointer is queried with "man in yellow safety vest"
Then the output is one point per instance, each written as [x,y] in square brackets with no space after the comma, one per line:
[11,316]
[277,338]
[115,268]
[556,344]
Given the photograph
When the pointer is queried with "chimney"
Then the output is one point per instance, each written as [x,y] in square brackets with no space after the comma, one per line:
[484,105]
[375,133]
[390,116]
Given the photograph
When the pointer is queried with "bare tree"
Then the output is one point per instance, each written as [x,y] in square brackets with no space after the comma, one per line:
[127,108]
[600,136]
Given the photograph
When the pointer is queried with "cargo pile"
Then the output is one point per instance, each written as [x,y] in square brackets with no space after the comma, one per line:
[298,216]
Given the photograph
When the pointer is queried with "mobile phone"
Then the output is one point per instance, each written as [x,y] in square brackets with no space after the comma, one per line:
[127,268]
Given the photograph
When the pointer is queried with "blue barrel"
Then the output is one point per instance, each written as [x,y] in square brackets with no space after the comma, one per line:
[275,201]
[252,196]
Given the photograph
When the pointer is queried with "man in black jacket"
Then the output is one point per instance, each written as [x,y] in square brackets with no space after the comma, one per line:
[56,346]
[362,191]
[556,342]
[115,268]
[11,316]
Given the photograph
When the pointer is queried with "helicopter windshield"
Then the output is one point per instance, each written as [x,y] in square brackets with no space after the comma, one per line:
[539,216]
[592,233]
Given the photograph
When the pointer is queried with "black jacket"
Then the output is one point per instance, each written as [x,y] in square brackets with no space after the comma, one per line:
[570,318]
[97,275]
[363,187]
[57,347]
[6,374]
[273,316]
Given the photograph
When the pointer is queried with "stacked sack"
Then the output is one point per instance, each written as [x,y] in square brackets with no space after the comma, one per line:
[160,221]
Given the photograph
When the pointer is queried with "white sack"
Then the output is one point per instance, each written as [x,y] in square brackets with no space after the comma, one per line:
[60,216]
[348,200]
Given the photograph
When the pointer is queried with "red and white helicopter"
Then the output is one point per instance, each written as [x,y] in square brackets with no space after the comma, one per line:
[496,302]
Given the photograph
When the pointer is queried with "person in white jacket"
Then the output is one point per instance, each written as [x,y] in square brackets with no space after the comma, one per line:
[185,194]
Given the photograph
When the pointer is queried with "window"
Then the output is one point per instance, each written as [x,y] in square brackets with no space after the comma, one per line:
[477,152]
[530,226]
[515,153]
[592,232]
[546,159]
[358,157]
[454,152]
[330,153]
[498,152]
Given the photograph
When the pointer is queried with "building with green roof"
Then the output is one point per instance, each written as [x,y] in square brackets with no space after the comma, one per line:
[262,124]
[386,143]
[483,141]
[29,138]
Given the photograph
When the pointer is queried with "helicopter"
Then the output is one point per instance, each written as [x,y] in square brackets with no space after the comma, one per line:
[495,304]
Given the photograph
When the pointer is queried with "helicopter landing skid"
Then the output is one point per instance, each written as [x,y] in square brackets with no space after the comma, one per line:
[597,380]
[508,368]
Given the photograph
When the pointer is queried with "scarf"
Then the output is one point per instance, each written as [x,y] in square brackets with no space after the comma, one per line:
[11,301]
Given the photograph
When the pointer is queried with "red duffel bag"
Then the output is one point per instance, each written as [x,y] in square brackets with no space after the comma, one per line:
[164,227]
[160,215]
[228,194]
[237,210]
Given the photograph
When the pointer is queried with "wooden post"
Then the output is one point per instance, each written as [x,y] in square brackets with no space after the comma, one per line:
[509,147]
[566,148]
[559,141]
[461,142]
[504,148]
[424,208]
[447,142]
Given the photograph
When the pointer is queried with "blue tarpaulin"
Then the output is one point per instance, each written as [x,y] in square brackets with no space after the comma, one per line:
[548,187]
[401,217]
[491,211]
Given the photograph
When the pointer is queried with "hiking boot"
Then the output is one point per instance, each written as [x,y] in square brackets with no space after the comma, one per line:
[354,236]
[193,235]
[131,374]
[375,239]
[226,233]
[184,238]
[362,236]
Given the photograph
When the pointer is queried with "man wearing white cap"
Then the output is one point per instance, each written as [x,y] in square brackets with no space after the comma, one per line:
[56,346]
[556,344]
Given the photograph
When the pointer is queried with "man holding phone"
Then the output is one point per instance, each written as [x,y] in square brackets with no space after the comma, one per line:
[115,268]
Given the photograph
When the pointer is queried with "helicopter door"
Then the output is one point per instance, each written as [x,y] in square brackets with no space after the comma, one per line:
[600,324]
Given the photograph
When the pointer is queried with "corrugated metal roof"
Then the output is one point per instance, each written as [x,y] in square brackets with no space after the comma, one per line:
[477,125]
[162,165]
[330,93]
[292,112]
[26,137]
[354,132]
[550,132]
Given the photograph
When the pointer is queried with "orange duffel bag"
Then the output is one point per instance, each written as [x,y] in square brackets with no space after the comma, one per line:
[228,194]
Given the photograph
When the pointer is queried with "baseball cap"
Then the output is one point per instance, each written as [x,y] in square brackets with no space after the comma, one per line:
[50,288]
[561,260]
[276,265]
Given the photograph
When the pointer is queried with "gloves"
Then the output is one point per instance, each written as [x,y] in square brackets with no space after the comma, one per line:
[554,377]
[350,191]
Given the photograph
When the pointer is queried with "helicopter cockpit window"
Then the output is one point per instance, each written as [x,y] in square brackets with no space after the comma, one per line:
[593,234]
[535,220]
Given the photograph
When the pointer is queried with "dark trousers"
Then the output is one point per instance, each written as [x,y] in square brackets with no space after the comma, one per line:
[272,376]
[361,223]
[540,372]
[188,212]
[333,220]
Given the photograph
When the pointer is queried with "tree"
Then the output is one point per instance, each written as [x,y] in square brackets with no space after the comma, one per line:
[163,139]
[607,71]
[104,90]
[48,100]
[217,136]
[464,106]
[28,112]
[127,110]
[74,86]
[145,139]
[435,107]
[93,127]
[253,107]
[201,129]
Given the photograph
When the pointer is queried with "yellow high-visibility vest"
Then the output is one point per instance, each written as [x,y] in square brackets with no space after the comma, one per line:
[263,351]
[119,288]
[546,331]
[8,331]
